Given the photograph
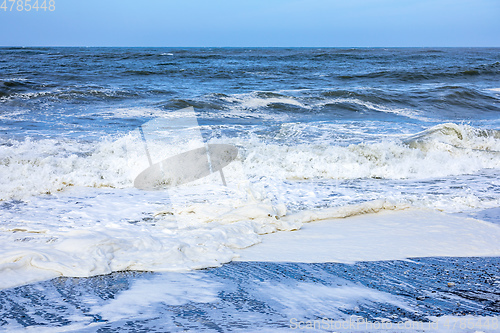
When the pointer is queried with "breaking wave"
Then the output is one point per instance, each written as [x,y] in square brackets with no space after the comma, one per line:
[32,167]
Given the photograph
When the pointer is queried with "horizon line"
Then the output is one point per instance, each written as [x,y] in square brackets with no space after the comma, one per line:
[260,47]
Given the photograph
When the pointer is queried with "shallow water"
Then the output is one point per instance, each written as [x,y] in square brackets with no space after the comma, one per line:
[248,296]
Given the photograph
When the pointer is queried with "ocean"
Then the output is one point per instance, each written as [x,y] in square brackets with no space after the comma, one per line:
[320,134]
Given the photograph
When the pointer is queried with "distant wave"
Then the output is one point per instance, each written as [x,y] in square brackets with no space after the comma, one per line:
[26,91]
[405,74]
[345,102]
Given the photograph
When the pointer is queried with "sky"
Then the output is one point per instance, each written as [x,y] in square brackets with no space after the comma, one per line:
[256,23]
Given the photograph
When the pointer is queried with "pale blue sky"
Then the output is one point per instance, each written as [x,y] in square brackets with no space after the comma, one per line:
[346,23]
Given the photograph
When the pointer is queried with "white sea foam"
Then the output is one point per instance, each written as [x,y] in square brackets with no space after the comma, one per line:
[95,222]
[130,112]
[387,235]
[410,113]
[311,300]
[422,156]
[99,237]
[139,301]
[254,101]
[239,103]
[32,167]
[13,115]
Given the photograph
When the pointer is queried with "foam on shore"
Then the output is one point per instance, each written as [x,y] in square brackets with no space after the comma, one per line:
[387,235]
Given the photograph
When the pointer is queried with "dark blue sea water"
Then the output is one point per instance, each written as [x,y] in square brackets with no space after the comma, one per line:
[77,90]
[316,128]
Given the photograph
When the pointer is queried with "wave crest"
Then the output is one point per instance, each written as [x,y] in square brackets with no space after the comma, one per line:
[46,166]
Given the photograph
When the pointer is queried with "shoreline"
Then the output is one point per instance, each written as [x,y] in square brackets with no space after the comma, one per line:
[245,296]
